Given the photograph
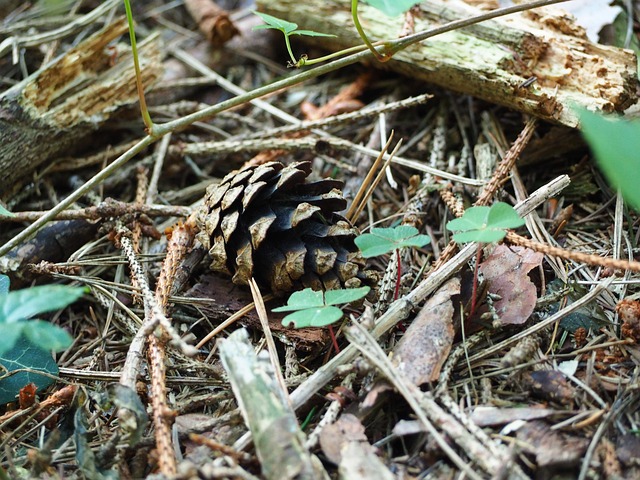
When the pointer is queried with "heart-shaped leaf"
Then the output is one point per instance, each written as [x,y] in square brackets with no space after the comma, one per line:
[385,240]
[4,285]
[347,295]
[25,355]
[313,317]
[46,335]
[317,309]
[5,212]
[485,224]
[306,298]
[616,146]
[26,303]
[275,23]
[392,8]
[9,334]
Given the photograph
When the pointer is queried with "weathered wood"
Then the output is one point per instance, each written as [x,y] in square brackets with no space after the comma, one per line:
[54,108]
[276,435]
[492,60]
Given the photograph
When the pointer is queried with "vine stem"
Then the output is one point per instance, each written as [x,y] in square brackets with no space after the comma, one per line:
[363,35]
[144,111]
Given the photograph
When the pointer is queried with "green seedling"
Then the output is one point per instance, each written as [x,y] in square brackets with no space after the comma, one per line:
[288,29]
[484,225]
[316,308]
[390,8]
[25,343]
[616,146]
[386,240]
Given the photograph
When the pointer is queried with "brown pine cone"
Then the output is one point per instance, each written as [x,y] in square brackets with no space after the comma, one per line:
[269,222]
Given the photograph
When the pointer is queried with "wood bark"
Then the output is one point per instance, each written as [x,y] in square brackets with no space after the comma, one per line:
[63,102]
[492,60]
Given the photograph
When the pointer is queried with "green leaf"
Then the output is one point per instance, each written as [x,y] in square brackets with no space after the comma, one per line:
[503,215]
[5,212]
[485,224]
[306,298]
[313,317]
[276,23]
[616,146]
[46,335]
[25,354]
[392,8]
[385,240]
[311,33]
[4,285]
[9,334]
[316,308]
[23,304]
[347,295]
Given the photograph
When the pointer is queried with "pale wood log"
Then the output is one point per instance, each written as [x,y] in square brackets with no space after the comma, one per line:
[62,103]
[278,440]
[491,60]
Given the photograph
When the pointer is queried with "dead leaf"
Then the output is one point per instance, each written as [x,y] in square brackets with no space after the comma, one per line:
[27,396]
[427,342]
[552,449]
[551,385]
[491,416]
[506,271]
[336,435]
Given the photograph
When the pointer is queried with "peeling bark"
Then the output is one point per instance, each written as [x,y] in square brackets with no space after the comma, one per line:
[492,60]
[50,111]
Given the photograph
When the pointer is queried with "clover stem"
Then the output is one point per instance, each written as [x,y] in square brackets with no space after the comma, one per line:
[396,293]
[144,111]
[363,36]
[333,339]
[474,291]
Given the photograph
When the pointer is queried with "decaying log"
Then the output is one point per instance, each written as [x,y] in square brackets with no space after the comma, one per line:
[494,60]
[54,108]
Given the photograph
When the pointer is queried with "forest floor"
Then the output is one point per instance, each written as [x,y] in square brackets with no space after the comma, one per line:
[465,361]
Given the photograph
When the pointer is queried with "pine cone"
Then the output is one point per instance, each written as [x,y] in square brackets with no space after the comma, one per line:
[269,222]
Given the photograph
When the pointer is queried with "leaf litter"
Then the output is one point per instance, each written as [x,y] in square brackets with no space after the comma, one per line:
[531,416]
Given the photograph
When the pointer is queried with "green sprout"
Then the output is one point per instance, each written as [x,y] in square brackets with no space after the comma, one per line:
[316,308]
[287,29]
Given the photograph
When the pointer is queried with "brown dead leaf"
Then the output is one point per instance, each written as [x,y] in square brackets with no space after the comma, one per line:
[506,272]
[426,344]
[552,448]
[335,436]
[491,416]
[551,385]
